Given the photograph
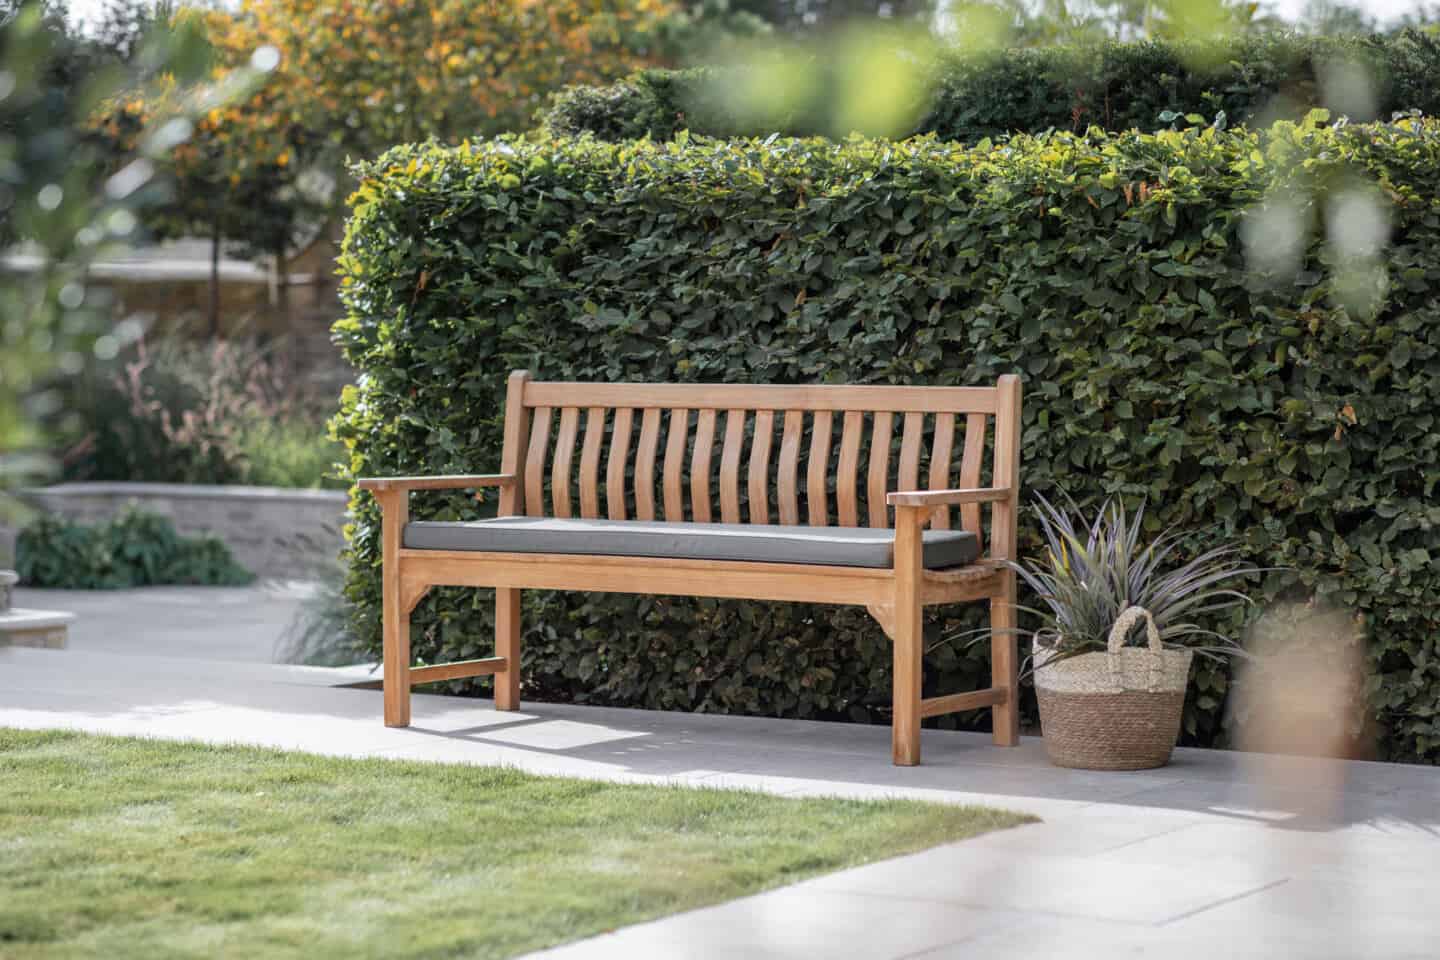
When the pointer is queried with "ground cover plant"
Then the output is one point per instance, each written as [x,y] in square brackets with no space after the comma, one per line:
[138,848]
[1238,327]
[132,549]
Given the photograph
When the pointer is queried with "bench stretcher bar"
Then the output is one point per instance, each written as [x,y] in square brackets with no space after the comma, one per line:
[458,670]
[958,702]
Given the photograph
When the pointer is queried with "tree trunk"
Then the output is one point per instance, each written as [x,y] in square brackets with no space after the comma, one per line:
[282,297]
[215,237]
[282,287]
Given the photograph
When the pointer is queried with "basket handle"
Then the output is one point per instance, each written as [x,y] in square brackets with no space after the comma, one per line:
[1123,625]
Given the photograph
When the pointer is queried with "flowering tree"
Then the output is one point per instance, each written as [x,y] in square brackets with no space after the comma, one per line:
[367,74]
[350,78]
[68,204]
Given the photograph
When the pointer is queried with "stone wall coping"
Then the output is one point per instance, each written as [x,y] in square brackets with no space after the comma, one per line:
[195,491]
[18,618]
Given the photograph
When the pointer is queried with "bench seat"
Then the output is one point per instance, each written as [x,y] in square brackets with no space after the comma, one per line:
[822,546]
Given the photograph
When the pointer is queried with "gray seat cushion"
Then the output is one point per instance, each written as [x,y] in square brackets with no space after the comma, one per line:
[829,546]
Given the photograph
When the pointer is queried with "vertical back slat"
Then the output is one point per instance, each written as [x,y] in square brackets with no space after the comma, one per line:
[730,466]
[535,461]
[760,466]
[846,501]
[564,453]
[940,452]
[645,464]
[817,471]
[787,498]
[590,463]
[879,468]
[616,463]
[700,466]
[970,470]
[675,465]
[512,454]
[910,440]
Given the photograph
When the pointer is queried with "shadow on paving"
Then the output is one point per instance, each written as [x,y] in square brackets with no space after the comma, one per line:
[302,708]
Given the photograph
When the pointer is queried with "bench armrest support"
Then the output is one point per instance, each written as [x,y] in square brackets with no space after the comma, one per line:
[452,482]
[947,498]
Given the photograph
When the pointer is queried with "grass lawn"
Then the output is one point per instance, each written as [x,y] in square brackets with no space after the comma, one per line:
[120,847]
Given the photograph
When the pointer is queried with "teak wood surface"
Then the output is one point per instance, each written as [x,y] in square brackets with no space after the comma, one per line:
[763,453]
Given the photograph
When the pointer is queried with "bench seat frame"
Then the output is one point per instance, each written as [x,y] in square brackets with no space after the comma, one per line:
[895,597]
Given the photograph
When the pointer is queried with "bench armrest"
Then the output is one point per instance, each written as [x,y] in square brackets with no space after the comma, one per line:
[947,498]
[452,482]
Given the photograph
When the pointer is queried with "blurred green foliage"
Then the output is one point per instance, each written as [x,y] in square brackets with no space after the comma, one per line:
[967,95]
[1114,272]
[133,549]
[63,196]
[175,411]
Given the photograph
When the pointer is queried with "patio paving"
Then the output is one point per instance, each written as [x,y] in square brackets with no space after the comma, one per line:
[1220,854]
[211,623]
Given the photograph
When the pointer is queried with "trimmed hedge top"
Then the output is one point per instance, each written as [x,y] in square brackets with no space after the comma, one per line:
[1115,86]
[1291,407]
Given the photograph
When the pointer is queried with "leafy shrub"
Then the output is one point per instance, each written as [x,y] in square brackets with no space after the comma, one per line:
[1115,86]
[134,549]
[289,452]
[1288,408]
[220,412]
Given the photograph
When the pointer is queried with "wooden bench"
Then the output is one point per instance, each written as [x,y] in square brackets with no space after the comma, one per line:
[644,544]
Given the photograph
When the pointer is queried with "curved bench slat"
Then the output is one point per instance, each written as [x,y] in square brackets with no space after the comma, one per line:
[910,440]
[970,469]
[846,501]
[700,466]
[564,455]
[818,469]
[535,461]
[675,464]
[759,481]
[730,466]
[941,449]
[645,464]
[878,484]
[786,493]
[590,462]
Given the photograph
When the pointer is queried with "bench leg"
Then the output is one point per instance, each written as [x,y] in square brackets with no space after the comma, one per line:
[909,647]
[1004,668]
[394,615]
[908,639]
[507,645]
[397,663]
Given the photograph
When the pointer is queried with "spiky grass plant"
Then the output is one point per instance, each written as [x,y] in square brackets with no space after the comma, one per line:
[1090,572]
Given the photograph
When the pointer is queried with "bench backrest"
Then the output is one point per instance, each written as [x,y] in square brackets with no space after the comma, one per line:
[742,453]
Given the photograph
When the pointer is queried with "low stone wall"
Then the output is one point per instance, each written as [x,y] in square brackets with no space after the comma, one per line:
[274,532]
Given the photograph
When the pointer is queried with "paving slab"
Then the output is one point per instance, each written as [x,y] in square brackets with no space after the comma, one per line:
[209,623]
[796,922]
[1218,854]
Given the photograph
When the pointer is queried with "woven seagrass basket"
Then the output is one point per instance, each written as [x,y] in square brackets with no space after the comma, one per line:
[1118,710]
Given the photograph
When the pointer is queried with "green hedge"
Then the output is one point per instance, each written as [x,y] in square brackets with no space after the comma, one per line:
[133,549]
[1109,271]
[1116,86]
